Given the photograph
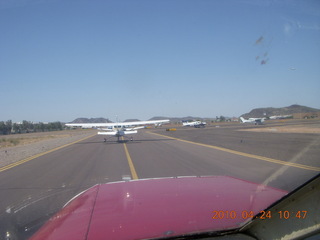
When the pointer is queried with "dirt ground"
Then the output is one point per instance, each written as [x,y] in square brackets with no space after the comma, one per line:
[27,138]
[288,129]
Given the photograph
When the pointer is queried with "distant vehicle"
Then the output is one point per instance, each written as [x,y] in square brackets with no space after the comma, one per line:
[193,124]
[120,129]
[256,121]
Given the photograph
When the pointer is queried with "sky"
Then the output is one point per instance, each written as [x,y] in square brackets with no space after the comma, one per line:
[136,59]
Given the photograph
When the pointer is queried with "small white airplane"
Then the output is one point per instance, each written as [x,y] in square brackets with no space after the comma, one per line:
[119,129]
[256,121]
[193,124]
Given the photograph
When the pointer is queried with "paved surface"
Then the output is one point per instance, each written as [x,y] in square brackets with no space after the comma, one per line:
[33,191]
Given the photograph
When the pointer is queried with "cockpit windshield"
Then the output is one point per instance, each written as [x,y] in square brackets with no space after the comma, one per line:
[197,113]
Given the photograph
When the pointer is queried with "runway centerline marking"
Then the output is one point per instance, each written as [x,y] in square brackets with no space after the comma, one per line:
[297,165]
[11,165]
[131,166]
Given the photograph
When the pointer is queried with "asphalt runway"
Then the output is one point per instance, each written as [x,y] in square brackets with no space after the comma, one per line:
[33,191]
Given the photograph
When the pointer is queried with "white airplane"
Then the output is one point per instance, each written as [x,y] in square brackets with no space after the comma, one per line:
[256,121]
[120,129]
[193,124]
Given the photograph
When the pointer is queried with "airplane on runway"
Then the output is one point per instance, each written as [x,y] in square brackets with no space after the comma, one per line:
[119,129]
[256,121]
[194,124]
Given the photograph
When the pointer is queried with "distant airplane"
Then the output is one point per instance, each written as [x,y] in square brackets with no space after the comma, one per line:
[194,124]
[119,129]
[256,121]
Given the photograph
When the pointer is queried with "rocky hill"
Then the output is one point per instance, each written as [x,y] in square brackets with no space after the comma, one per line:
[91,120]
[257,112]
[267,112]
[131,120]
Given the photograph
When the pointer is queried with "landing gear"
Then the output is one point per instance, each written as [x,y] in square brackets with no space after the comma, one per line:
[127,139]
[120,139]
[106,139]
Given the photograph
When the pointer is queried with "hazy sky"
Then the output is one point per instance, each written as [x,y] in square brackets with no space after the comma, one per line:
[63,59]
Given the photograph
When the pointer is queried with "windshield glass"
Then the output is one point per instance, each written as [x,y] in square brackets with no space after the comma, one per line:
[231,89]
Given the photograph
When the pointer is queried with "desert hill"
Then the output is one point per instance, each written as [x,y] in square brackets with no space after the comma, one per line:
[270,111]
[91,120]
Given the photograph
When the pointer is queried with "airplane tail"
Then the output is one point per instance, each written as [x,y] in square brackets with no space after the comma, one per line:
[242,119]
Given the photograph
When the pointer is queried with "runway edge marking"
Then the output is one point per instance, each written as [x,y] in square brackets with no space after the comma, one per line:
[297,165]
[131,166]
[11,165]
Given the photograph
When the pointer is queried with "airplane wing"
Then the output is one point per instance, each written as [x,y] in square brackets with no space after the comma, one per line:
[144,122]
[119,124]
[90,125]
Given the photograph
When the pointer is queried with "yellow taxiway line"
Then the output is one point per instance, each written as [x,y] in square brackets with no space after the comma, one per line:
[297,165]
[39,155]
[132,169]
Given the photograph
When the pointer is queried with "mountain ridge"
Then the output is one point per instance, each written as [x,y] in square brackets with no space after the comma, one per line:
[256,112]
[270,111]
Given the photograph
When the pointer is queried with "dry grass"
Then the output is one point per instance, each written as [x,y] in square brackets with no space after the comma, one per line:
[27,138]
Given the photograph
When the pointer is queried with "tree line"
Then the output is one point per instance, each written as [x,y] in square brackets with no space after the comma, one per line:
[26,126]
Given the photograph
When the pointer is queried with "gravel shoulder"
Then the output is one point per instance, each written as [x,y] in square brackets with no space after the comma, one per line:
[16,147]
[287,129]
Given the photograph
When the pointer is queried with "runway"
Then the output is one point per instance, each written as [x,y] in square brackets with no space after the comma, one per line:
[34,190]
